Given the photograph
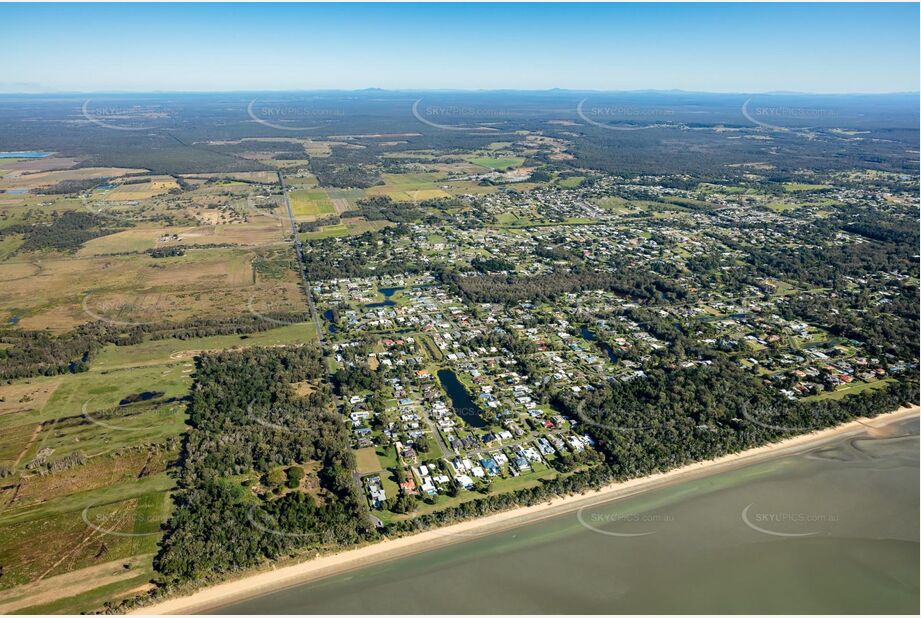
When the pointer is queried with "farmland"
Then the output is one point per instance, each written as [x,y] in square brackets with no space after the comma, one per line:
[411,186]
[84,456]
[310,203]
[497,163]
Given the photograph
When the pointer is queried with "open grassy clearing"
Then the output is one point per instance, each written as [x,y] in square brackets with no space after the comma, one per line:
[15,441]
[143,289]
[797,187]
[101,471]
[782,206]
[571,182]
[411,187]
[496,163]
[122,489]
[102,542]
[308,203]
[849,389]
[348,227]
[81,591]
[368,461]
[633,207]
[31,395]
[101,390]
[263,231]
[8,246]
[166,351]
[106,431]
[38,180]
[72,545]
[141,191]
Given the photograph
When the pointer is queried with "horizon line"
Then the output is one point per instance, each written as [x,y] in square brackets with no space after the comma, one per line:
[456,90]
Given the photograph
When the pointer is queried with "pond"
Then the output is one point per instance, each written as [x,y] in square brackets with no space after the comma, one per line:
[328,316]
[590,336]
[387,292]
[464,406]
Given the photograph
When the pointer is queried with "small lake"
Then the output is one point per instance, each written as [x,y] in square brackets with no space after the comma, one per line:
[387,302]
[24,154]
[464,406]
[328,316]
[590,336]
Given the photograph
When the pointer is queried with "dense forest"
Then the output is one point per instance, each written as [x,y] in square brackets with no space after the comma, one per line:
[677,416]
[495,288]
[240,499]
[66,232]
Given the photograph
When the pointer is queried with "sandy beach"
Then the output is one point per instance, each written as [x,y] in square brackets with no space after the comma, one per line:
[271,578]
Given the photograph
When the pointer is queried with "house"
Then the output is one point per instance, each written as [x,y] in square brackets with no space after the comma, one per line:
[491,467]
[520,464]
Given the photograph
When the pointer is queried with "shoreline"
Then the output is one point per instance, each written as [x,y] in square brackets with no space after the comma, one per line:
[271,578]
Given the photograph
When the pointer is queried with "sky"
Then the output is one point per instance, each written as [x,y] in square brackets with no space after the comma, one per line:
[823,48]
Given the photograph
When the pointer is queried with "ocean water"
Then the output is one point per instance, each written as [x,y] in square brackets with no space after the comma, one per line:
[831,530]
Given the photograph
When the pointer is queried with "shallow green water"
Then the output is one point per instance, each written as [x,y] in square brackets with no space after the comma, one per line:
[834,530]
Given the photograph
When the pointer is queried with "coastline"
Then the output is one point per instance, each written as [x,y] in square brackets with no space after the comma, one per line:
[271,578]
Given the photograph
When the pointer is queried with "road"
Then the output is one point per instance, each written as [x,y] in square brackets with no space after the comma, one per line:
[356,478]
[300,260]
[446,450]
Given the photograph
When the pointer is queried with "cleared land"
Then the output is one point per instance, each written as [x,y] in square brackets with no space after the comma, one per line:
[310,203]
[144,289]
[497,163]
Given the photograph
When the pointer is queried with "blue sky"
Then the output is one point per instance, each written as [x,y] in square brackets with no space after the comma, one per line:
[716,47]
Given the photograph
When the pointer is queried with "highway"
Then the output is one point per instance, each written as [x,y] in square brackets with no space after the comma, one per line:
[300,260]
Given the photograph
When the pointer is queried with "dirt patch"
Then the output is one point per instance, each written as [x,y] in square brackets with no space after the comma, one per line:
[26,396]
[303,388]
[341,204]
[69,584]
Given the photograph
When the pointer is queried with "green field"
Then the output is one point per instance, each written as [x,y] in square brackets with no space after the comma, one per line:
[344,229]
[781,206]
[794,187]
[497,163]
[101,390]
[571,183]
[410,187]
[174,350]
[849,389]
[310,203]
